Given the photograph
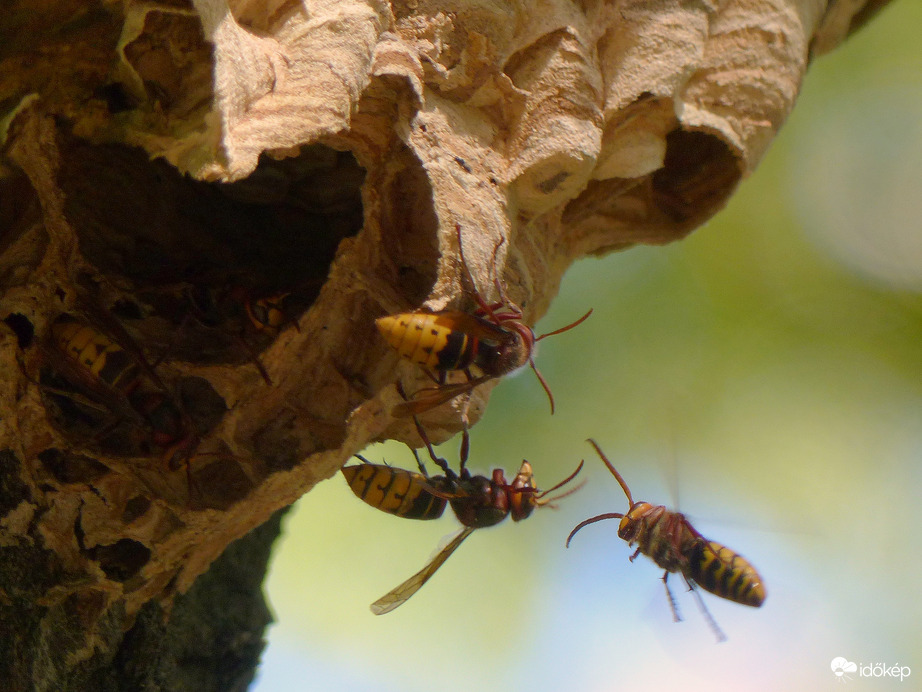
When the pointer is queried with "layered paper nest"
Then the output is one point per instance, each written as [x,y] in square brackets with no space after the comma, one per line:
[326,150]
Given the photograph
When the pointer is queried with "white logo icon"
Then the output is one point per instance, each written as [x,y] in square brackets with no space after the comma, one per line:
[841,666]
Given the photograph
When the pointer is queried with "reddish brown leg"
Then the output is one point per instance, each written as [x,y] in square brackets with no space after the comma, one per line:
[439,461]
[465,449]
[419,462]
[484,308]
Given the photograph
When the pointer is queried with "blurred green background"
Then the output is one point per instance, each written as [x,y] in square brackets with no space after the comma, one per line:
[768,368]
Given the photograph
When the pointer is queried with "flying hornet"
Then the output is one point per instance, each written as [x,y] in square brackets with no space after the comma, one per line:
[669,539]
[494,339]
[477,501]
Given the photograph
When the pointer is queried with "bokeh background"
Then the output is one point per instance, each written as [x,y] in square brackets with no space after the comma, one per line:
[765,373]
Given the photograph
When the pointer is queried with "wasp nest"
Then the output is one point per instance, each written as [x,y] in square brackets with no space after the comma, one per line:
[219,199]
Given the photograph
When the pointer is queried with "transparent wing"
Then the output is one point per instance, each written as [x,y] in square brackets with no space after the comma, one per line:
[430,397]
[479,327]
[400,595]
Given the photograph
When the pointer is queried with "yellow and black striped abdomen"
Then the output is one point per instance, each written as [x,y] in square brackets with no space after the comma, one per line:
[716,568]
[395,491]
[95,353]
[267,314]
[429,339]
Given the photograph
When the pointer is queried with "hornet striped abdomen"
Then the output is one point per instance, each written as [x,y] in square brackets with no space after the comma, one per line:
[395,491]
[432,340]
[477,501]
[113,378]
[716,568]
[268,314]
[95,353]
[494,338]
